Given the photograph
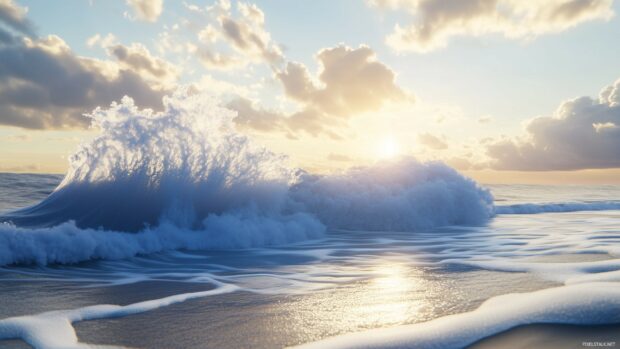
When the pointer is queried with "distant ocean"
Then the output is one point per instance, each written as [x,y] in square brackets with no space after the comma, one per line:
[168,236]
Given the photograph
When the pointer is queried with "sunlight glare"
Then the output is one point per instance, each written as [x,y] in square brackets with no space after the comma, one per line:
[387,149]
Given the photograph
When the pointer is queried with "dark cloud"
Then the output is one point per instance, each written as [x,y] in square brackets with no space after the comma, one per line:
[13,16]
[243,33]
[45,85]
[434,22]
[251,117]
[138,59]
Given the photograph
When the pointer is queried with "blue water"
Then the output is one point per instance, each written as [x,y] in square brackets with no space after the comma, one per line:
[340,283]
[172,230]
[23,190]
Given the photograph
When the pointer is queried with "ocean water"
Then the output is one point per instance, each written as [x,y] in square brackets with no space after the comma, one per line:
[172,230]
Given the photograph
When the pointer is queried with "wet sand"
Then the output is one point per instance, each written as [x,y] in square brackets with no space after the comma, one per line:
[399,294]
[552,336]
[243,319]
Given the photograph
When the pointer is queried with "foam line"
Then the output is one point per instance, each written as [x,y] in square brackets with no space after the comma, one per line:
[54,330]
[581,304]
[557,207]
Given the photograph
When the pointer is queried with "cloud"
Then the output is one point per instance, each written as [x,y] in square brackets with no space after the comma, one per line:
[435,22]
[233,40]
[14,18]
[352,80]
[583,133]
[251,117]
[43,84]
[146,10]
[30,168]
[349,82]
[432,142]
[100,40]
[339,157]
[137,58]
[485,119]
[460,163]
[22,137]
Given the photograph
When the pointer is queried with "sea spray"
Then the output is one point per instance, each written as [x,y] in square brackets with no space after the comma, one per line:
[180,166]
[401,195]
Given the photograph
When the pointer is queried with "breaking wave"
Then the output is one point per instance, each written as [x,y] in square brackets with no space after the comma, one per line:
[185,179]
[557,207]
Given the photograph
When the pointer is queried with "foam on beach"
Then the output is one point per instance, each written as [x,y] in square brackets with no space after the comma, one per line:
[594,303]
[581,304]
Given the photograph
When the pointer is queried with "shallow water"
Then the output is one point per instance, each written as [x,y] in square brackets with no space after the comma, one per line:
[554,336]
[344,282]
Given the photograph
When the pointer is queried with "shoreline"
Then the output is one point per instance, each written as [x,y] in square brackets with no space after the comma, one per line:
[552,336]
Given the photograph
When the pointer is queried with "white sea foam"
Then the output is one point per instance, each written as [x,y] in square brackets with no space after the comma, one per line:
[557,207]
[54,330]
[66,243]
[591,303]
[570,273]
[512,243]
[588,303]
[394,196]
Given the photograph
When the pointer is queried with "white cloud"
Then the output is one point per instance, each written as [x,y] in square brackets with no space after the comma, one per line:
[600,127]
[432,142]
[485,119]
[339,157]
[137,58]
[13,18]
[434,22]
[233,40]
[583,134]
[146,10]
[350,81]
[63,86]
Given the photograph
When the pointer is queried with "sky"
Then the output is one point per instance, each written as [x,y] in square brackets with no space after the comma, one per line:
[506,91]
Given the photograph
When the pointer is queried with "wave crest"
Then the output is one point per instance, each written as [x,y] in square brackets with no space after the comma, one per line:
[180,165]
[400,195]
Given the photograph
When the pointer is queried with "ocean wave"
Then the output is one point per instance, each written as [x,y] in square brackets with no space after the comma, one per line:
[557,207]
[185,179]
[403,195]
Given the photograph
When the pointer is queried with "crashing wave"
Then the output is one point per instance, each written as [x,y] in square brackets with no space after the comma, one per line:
[185,179]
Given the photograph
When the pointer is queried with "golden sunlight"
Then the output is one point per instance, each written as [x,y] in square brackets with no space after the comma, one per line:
[388,148]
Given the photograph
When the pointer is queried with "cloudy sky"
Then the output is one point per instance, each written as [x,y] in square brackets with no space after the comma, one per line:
[503,90]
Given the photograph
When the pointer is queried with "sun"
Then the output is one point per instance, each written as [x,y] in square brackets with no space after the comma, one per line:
[388,148]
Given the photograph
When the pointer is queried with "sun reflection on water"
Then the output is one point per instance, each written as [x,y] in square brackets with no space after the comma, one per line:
[389,295]
[393,293]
